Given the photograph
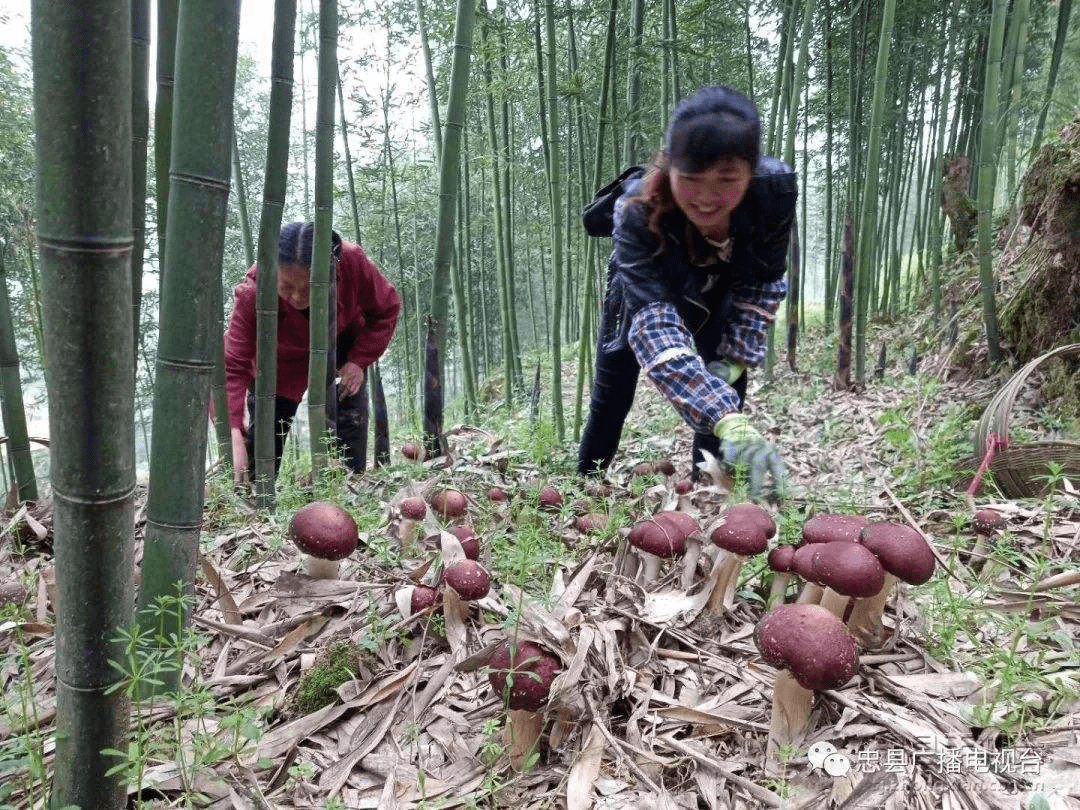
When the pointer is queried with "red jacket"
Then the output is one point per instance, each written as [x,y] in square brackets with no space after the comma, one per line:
[367,307]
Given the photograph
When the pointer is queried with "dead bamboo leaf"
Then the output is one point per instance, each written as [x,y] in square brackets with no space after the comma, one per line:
[1061,580]
[585,770]
[295,636]
[224,596]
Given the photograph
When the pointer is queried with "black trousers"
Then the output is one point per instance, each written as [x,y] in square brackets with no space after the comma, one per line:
[347,428]
[613,390]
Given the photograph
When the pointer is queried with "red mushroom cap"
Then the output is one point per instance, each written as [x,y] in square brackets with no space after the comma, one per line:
[901,550]
[679,520]
[469,578]
[809,642]
[550,498]
[449,503]
[496,495]
[411,451]
[802,561]
[422,598]
[597,489]
[744,529]
[850,569]
[413,508]
[664,466]
[643,468]
[829,528]
[590,522]
[470,543]
[779,558]
[684,486]
[655,537]
[533,670]
[324,530]
[987,521]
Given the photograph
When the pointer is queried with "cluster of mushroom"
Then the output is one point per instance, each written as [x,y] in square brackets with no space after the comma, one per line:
[463,579]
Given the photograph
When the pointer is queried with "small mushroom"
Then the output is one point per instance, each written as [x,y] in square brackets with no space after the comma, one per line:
[743,531]
[986,523]
[523,678]
[904,555]
[448,503]
[655,541]
[593,521]
[683,522]
[414,598]
[549,498]
[470,543]
[642,468]
[664,467]
[828,528]
[412,510]
[412,451]
[327,534]
[814,651]
[469,579]
[779,560]
[496,495]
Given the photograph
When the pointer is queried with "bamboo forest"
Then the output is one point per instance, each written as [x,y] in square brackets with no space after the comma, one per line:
[540,404]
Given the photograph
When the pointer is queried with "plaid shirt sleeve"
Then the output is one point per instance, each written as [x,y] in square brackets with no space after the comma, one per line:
[665,351]
[755,307]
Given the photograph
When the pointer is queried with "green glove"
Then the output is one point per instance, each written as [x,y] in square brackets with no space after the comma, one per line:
[727,370]
[742,446]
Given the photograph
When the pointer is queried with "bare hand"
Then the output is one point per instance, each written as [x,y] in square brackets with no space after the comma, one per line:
[240,457]
[352,377]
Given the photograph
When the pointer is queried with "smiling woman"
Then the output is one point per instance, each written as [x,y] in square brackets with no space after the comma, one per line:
[695,280]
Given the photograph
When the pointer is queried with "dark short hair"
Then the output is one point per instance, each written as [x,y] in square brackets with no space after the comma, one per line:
[715,123]
[295,240]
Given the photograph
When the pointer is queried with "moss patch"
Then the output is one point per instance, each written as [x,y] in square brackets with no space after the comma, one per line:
[336,666]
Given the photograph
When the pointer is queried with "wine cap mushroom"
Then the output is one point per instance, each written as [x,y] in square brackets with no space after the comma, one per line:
[413,508]
[533,670]
[422,598]
[850,569]
[744,529]
[809,642]
[449,503]
[470,543]
[780,558]
[324,530]
[679,520]
[470,579]
[496,495]
[683,487]
[664,466]
[411,451]
[659,538]
[987,521]
[901,550]
[550,498]
[828,528]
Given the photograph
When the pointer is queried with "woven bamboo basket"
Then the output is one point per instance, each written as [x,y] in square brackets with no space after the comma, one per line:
[1021,469]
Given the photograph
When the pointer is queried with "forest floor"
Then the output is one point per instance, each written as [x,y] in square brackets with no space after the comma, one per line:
[320,693]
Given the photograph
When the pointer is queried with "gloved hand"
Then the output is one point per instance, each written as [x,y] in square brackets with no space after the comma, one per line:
[727,370]
[742,446]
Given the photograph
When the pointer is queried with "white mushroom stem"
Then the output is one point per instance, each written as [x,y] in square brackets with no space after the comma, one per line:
[321,569]
[835,603]
[779,588]
[791,707]
[522,732]
[723,595]
[810,594]
[649,569]
[690,561]
[405,531]
[865,620]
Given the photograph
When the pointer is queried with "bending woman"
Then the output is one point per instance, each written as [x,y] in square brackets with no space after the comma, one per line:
[695,280]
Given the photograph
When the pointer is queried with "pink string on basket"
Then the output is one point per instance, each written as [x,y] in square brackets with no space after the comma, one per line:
[994,442]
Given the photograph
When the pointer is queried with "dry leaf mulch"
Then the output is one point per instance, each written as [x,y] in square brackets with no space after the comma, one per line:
[659,704]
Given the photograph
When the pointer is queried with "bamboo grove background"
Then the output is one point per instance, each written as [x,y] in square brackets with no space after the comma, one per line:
[557,90]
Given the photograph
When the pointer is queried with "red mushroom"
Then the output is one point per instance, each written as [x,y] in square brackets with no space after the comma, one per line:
[549,498]
[412,451]
[655,541]
[904,555]
[779,561]
[470,543]
[326,533]
[743,531]
[814,651]
[684,522]
[524,681]
[846,571]
[496,495]
[593,521]
[469,579]
[448,503]
[412,510]
[827,528]
[986,523]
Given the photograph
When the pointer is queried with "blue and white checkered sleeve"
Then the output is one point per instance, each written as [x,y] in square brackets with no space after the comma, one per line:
[755,307]
[665,351]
